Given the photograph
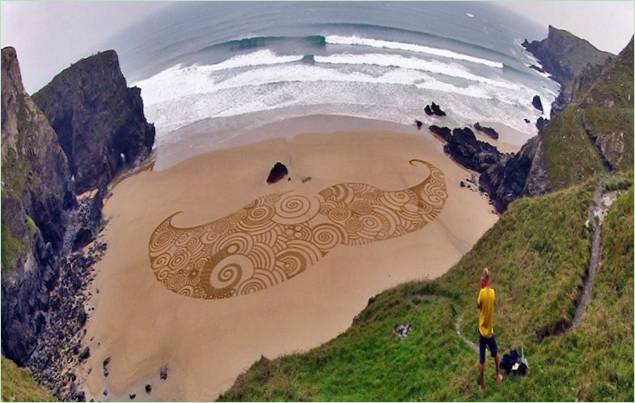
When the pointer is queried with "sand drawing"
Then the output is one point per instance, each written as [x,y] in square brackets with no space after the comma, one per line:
[277,236]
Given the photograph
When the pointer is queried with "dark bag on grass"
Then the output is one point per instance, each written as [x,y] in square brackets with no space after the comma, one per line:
[512,364]
[519,369]
[509,359]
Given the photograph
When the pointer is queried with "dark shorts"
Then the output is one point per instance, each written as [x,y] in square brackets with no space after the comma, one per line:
[487,342]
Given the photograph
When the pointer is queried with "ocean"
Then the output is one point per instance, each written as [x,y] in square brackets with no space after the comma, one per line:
[240,65]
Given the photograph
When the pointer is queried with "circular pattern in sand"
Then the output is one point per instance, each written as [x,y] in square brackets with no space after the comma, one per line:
[277,236]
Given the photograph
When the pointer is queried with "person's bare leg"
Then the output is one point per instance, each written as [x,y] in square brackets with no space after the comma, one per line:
[499,377]
[481,369]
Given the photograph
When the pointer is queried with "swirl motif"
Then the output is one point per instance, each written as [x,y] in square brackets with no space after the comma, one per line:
[276,237]
[295,208]
[326,236]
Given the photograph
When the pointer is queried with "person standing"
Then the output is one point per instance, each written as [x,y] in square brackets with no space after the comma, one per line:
[487,339]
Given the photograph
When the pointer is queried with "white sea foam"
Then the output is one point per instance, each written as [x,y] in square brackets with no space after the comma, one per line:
[431,66]
[410,47]
[181,95]
[180,80]
[259,58]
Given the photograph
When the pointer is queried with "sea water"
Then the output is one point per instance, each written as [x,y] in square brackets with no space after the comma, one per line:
[232,62]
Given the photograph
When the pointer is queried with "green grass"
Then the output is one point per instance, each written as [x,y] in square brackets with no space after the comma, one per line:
[619,181]
[537,253]
[570,156]
[614,127]
[614,88]
[605,105]
[18,385]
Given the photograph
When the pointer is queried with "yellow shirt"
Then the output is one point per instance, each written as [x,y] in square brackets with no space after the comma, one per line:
[485,302]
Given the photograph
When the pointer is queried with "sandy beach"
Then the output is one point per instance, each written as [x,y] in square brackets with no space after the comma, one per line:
[141,325]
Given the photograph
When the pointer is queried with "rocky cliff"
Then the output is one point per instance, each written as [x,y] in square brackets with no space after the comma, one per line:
[98,119]
[592,133]
[99,128]
[37,192]
[565,57]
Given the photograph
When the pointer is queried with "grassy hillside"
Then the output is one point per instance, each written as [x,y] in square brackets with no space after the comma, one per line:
[569,153]
[537,253]
[607,109]
[18,385]
[594,133]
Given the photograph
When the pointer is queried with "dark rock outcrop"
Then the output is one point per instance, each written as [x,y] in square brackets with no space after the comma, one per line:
[99,120]
[434,109]
[463,146]
[506,181]
[278,172]
[537,103]
[105,365]
[419,124]
[565,56]
[601,109]
[541,122]
[533,66]
[37,193]
[66,316]
[470,152]
[489,131]
[444,132]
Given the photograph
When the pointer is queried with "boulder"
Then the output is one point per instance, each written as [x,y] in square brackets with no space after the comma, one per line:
[434,109]
[487,130]
[470,152]
[105,365]
[444,132]
[278,172]
[539,69]
[537,103]
[85,354]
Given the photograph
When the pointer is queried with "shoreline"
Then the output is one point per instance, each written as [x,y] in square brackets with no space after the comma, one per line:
[142,326]
[197,138]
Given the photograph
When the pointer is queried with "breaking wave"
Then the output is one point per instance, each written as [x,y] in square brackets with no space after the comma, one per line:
[410,47]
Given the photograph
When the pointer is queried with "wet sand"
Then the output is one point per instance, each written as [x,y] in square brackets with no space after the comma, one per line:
[203,137]
[206,344]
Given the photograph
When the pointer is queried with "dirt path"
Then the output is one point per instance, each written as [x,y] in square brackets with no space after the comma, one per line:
[457,322]
[601,202]
[457,326]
